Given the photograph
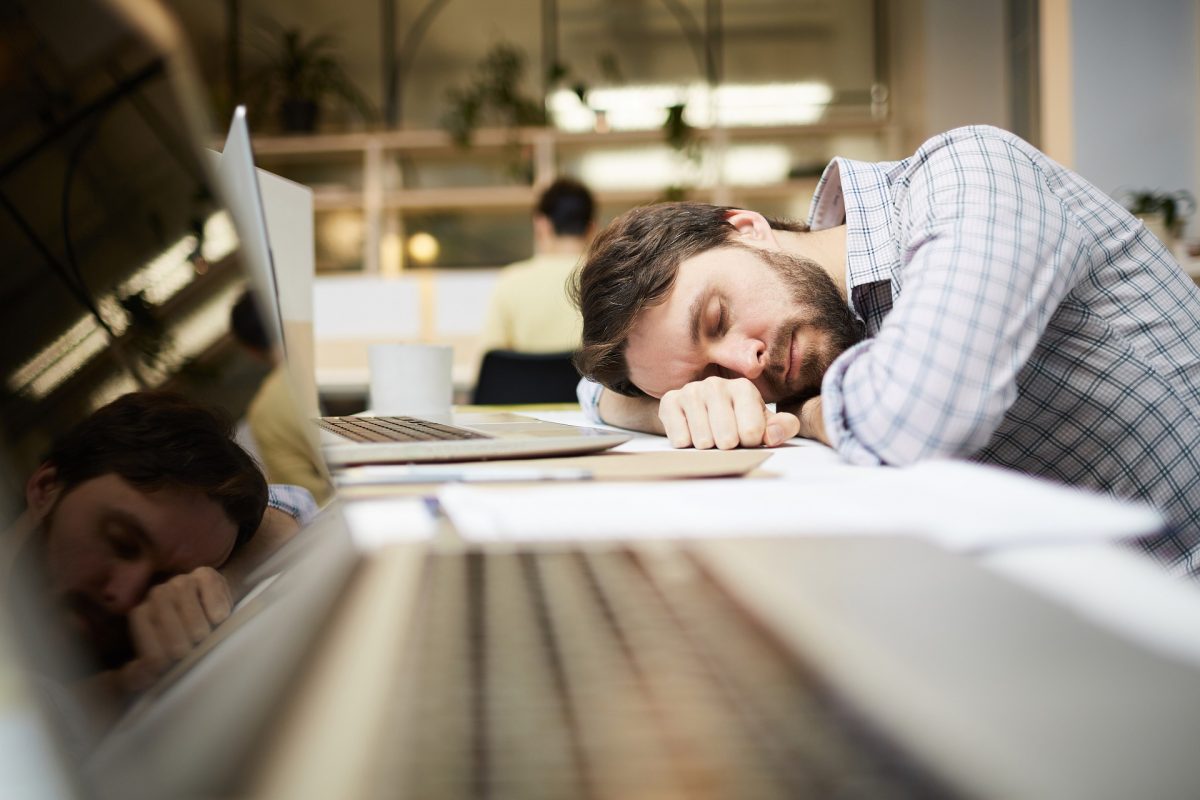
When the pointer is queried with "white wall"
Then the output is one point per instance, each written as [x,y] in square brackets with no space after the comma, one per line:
[965,70]
[354,311]
[1135,93]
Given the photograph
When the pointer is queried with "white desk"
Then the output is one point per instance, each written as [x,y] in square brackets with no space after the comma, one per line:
[1108,582]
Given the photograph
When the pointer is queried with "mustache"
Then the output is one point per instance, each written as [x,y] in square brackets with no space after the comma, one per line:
[778,353]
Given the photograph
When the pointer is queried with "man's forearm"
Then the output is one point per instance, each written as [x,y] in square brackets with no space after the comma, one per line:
[634,413]
[812,420]
[277,528]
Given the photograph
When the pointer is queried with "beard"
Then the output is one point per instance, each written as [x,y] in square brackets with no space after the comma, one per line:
[823,314]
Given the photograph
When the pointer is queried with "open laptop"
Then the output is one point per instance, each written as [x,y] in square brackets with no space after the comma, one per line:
[389,439]
[439,668]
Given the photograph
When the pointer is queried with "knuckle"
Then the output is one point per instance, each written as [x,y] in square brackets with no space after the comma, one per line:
[754,430]
[744,387]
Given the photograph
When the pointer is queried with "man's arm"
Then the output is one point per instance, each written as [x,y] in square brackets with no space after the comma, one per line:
[277,528]
[812,420]
[634,413]
[989,254]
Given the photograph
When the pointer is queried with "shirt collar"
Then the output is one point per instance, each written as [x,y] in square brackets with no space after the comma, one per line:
[859,194]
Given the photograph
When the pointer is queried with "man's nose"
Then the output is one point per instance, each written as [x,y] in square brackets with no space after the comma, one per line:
[745,356]
[128,583]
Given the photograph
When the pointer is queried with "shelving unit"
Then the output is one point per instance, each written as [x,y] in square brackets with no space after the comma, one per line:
[375,182]
[391,178]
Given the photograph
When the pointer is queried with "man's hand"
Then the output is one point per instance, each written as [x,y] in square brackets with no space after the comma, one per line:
[174,618]
[723,413]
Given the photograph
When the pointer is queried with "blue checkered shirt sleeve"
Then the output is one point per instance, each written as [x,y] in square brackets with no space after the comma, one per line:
[293,500]
[588,392]
[986,255]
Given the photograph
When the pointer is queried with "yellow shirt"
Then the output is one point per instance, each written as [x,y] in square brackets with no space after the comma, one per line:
[530,311]
[282,438]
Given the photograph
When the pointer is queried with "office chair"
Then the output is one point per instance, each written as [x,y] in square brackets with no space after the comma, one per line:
[507,377]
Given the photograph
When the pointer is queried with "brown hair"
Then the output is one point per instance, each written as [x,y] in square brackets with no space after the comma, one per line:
[631,266]
[159,439]
[569,206]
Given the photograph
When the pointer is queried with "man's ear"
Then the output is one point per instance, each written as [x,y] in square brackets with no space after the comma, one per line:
[42,490]
[752,228]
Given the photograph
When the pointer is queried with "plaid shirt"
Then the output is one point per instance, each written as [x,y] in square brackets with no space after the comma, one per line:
[1018,316]
[294,500]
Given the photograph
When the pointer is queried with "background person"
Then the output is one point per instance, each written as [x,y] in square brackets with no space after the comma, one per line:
[281,436]
[530,311]
[1014,314]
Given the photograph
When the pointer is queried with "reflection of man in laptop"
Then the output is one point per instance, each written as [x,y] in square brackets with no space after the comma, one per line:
[280,433]
[129,520]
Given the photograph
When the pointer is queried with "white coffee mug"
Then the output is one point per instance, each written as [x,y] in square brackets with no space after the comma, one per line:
[411,379]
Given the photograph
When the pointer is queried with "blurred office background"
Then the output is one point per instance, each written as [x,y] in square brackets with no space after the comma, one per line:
[426,127]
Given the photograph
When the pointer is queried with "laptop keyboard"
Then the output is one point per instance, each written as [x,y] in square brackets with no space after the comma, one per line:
[395,429]
[601,675]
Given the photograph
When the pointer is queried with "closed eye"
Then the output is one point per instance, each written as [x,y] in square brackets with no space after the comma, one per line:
[721,322]
[124,544]
[125,536]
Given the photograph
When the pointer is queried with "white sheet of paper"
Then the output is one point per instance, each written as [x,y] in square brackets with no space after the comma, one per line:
[963,506]
[380,521]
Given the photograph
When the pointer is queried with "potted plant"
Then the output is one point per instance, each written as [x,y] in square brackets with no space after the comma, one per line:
[302,74]
[494,96]
[1163,213]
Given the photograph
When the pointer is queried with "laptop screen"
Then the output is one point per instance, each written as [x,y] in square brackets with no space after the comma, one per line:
[121,268]
[121,264]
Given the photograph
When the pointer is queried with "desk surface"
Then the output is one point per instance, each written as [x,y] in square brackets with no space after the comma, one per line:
[1100,578]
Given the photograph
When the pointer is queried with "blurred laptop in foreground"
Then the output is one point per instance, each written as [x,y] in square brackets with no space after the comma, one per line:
[120,480]
[847,667]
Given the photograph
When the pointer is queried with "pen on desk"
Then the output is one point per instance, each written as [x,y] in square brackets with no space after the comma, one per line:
[399,474]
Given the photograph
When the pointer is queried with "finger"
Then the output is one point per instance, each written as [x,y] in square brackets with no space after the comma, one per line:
[146,641]
[190,608]
[214,595]
[781,426]
[751,413]
[674,422]
[722,419]
[695,410]
[168,624]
